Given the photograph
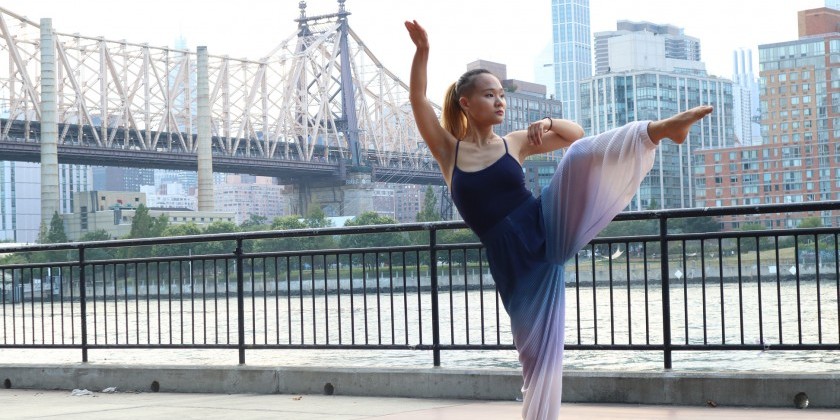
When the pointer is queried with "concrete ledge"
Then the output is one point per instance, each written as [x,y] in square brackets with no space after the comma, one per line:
[697,388]
[669,388]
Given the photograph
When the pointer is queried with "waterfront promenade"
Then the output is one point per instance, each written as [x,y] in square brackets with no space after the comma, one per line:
[39,404]
[249,392]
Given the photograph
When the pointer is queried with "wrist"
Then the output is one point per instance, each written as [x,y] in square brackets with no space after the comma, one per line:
[550,123]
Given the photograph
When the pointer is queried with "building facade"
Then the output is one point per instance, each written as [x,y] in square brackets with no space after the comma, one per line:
[747,114]
[676,44]
[20,196]
[571,37]
[613,100]
[246,195]
[645,79]
[799,158]
[112,178]
[20,201]
[113,212]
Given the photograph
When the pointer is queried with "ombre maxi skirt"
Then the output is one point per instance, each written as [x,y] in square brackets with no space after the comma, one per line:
[526,251]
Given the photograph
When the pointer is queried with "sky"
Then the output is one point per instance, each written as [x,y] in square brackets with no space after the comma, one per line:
[512,32]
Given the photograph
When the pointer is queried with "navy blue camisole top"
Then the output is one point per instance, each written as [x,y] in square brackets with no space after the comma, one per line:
[486,196]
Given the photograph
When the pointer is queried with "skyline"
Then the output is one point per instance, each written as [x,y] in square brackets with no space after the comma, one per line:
[380,26]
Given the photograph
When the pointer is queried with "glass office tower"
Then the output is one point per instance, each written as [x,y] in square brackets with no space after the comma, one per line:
[572,52]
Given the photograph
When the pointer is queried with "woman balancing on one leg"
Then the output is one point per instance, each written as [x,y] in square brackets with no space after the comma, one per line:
[528,239]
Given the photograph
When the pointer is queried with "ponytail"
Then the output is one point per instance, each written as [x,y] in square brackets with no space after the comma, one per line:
[454,120]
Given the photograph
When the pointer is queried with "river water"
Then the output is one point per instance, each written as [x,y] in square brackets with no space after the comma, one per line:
[730,313]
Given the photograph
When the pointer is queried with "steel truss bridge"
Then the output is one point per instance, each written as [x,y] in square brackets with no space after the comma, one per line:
[316,107]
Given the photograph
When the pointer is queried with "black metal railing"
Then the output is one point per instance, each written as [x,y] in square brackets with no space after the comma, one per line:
[672,291]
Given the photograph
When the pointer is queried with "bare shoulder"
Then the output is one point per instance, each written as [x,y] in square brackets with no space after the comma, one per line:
[517,143]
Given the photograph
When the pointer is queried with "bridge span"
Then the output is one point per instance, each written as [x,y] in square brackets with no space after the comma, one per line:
[327,169]
[317,107]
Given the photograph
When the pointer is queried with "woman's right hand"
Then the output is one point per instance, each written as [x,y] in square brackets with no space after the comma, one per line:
[418,34]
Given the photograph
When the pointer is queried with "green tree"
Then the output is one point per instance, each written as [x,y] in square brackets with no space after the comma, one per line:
[317,219]
[694,225]
[181,229]
[98,253]
[630,228]
[53,235]
[807,241]
[810,222]
[459,236]
[748,244]
[749,227]
[429,212]
[254,223]
[371,240]
[145,226]
[281,244]
[287,223]
[95,235]
[217,247]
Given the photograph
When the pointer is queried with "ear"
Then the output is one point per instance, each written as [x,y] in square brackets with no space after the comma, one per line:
[464,102]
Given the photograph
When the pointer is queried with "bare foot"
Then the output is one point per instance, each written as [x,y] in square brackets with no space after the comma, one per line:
[676,127]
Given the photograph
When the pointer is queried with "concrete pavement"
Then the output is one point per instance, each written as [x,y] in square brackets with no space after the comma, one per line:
[726,389]
[40,404]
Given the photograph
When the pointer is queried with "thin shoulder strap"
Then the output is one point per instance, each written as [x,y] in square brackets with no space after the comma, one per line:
[457,146]
[505,142]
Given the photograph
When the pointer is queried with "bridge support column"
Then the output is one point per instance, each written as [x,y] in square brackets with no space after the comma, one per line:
[204,146]
[359,193]
[304,197]
[49,126]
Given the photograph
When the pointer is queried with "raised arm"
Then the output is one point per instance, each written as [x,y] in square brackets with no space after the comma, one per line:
[545,135]
[441,143]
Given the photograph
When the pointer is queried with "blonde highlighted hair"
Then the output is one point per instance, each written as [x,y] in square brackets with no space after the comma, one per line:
[454,120]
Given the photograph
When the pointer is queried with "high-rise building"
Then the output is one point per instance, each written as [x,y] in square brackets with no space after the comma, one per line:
[745,99]
[677,45]
[799,158]
[246,195]
[572,52]
[20,201]
[544,69]
[111,178]
[72,179]
[189,179]
[647,81]
[20,196]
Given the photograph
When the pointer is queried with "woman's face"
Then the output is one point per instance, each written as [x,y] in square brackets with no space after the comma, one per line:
[486,103]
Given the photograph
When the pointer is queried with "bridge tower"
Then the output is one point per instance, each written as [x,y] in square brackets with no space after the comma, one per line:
[346,123]
[49,126]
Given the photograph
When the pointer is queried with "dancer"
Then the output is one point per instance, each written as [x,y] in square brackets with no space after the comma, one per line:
[529,239]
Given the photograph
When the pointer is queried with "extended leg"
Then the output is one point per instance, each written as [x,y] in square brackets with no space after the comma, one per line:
[676,127]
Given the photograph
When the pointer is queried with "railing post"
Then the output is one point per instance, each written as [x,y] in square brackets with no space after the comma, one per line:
[435,310]
[83,302]
[666,291]
[240,301]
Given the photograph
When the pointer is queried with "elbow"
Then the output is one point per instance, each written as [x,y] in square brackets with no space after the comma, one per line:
[575,131]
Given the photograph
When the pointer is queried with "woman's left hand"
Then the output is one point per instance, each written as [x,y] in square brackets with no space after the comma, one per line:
[535,132]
